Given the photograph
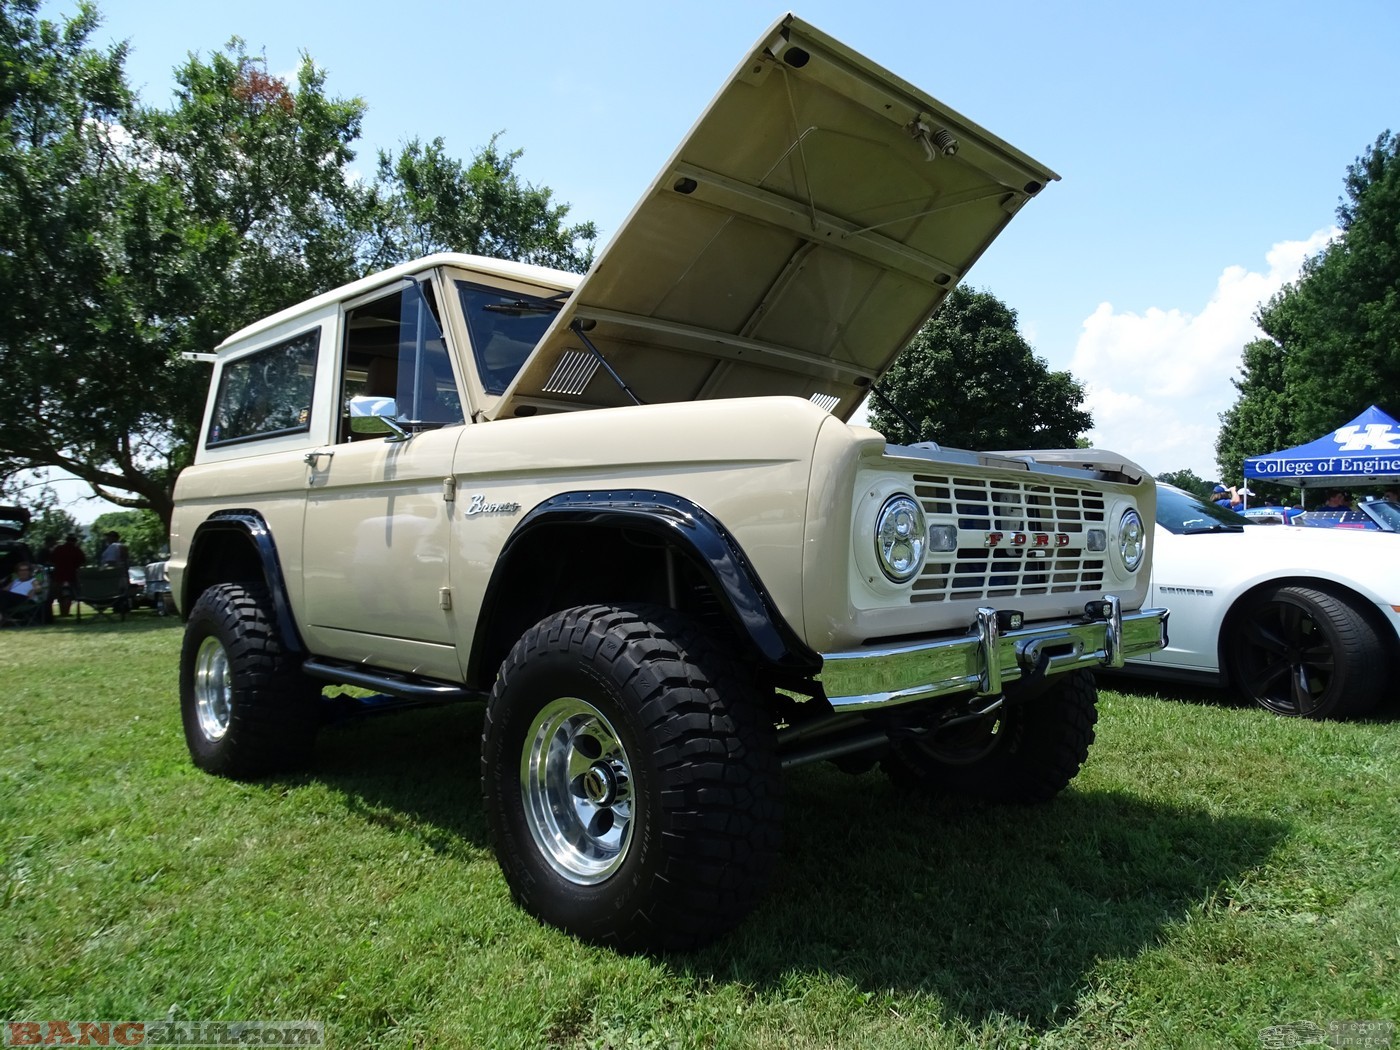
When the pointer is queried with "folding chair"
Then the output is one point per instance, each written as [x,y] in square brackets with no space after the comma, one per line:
[32,611]
[102,589]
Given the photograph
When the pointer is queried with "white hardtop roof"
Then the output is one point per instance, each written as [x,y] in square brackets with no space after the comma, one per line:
[528,273]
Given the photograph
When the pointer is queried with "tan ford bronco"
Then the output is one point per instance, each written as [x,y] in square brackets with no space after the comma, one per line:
[626,511]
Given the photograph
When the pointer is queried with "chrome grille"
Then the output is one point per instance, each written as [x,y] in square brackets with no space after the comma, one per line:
[979,506]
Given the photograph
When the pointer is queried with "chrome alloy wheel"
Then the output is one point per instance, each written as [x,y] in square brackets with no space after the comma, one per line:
[213,689]
[576,783]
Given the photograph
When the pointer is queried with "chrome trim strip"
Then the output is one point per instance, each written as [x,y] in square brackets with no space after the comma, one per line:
[885,676]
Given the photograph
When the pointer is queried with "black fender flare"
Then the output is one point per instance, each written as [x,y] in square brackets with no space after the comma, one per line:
[713,550]
[251,526]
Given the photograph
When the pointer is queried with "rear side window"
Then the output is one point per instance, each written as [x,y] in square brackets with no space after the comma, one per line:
[267,393]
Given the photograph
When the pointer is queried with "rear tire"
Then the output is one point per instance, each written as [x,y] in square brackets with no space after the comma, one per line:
[247,708]
[1028,750]
[631,780]
[1303,652]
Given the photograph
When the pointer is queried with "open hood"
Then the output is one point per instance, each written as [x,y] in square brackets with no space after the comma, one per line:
[810,223]
[13,522]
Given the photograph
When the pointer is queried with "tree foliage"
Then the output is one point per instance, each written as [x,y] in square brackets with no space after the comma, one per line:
[425,201]
[143,533]
[1186,480]
[50,527]
[969,379]
[1333,345]
[131,234]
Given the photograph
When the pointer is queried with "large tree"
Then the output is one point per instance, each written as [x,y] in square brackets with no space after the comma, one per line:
[425,201]
[971,380]
[65,184]
[130,235]
[1333,342]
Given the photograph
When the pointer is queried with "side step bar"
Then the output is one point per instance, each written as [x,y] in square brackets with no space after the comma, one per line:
[392,683]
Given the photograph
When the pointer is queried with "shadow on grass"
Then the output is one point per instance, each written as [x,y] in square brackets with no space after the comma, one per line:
[995,910]
[416,769]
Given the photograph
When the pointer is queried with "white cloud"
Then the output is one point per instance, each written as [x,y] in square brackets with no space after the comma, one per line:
[1157,382]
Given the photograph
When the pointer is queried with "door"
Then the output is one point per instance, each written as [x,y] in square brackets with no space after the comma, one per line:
[376,536]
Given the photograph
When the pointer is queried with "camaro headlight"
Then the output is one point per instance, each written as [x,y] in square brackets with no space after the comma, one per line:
[1132,540]
[901,538]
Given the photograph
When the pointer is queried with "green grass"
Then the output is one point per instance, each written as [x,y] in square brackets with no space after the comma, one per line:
[1214,871]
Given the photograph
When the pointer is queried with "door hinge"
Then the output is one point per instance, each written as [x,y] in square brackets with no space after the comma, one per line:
[445,597]
[449,489]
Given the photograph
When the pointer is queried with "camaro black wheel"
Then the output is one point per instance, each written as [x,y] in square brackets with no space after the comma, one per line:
[247,708]
[1027,749]
[630,779]
[1305,652]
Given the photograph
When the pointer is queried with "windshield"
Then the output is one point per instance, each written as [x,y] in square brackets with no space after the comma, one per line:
[1387,514]
[1184,514]
[504,329]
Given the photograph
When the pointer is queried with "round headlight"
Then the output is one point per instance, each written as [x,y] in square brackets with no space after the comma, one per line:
[901,538]
[1132,540]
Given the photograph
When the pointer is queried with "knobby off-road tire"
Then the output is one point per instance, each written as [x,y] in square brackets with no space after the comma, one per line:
[247,708]
[1304,652]
[630,778]
[1029,752]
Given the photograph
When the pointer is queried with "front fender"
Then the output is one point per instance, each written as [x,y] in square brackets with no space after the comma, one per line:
[678,522]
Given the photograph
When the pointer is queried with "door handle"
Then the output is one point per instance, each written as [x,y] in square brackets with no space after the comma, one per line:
[311,458]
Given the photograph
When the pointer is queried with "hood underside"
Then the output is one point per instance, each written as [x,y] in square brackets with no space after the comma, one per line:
[810,223]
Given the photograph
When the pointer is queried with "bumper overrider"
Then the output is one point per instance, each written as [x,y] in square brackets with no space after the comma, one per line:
[989,655]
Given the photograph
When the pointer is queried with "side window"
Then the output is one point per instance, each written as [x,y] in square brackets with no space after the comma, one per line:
[394,348]
[267,393]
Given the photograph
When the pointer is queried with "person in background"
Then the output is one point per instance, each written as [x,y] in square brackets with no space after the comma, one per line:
[1237,497]
[25,585]
[1220,496]
[1337,499]
[114,553]
[1391,496]
[65,559]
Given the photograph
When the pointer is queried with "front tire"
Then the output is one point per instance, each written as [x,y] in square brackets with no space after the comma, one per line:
[630,777]
[247,708]
[1026,750]
[1303,652]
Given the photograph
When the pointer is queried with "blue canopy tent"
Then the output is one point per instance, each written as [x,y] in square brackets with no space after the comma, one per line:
[1365,452]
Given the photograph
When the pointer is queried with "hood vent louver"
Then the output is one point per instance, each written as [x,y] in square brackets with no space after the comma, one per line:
[572,374]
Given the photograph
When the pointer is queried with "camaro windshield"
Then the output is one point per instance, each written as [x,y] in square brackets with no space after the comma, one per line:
[1184,514]
[1387,514]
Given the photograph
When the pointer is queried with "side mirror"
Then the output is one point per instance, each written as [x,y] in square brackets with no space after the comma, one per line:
[383,409]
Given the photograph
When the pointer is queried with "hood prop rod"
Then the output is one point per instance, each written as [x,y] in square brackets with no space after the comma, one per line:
[577,327]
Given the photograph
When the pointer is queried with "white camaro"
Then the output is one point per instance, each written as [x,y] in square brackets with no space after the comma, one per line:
[1305,622]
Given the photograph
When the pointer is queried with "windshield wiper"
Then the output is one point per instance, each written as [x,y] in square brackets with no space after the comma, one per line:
[520,307]
[1218,527]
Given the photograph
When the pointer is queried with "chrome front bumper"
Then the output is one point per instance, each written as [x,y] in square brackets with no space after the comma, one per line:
[980,661]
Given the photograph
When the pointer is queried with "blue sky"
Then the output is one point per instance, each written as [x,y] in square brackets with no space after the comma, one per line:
[1202,146]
